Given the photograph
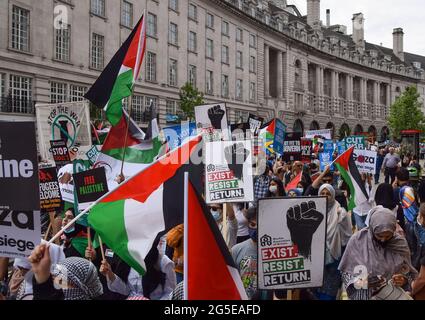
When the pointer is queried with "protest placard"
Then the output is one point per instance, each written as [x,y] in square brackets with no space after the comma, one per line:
[357,141]
[50,195]
[292,148]
[228,168]
[255,123]
[365,160]
[325,133]
[19,183]
[291,242]
[178,134]
[211,120]
[60,153]
[306,149]
[326,159]
[279,137]
[90,185]
[20,233]
[92,154]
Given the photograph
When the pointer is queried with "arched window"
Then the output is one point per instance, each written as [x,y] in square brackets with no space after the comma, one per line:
[298,71]
[298,127]
[314,126]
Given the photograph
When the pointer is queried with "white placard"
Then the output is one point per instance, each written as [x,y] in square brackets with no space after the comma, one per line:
[365,160]
[326,133]
[291,242]
[228,169]
[212,120]
[20,233]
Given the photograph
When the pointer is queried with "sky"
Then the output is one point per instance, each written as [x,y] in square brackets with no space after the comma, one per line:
[381,17]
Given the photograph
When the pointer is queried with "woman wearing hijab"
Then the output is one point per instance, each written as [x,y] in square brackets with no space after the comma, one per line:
[77,277]
[339,231]
[379,253]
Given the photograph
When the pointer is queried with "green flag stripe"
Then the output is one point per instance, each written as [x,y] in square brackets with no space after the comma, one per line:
[134,155]
[347,179]
[122,89]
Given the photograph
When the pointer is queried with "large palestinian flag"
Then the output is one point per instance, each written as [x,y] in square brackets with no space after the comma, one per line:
[351,175]
[131,218]
[117,79]
[210,272]
[137,153]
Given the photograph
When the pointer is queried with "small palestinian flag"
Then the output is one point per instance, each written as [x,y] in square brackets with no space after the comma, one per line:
[351,175]
[267,136]
[117,79]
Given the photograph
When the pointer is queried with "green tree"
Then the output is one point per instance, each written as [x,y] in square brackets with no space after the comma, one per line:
[344,131]
[405,113]
[190,97]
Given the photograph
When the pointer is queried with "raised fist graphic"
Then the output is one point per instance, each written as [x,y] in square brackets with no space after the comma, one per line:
[303,221]
[216,114]
[236,156]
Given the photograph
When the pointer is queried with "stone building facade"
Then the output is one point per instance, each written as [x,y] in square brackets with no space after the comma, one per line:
[258,56]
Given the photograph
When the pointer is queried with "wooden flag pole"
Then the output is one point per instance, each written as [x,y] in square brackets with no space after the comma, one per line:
[225,226]
[48,231]
[101,248]
[130,104]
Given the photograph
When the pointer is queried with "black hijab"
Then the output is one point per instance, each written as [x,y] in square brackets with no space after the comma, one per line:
[385,196]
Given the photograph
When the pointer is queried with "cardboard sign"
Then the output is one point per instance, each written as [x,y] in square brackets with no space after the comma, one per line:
[19,183]
[341,147]
[211,120]
[90,185]
[50,195]
[292,148]
[365,160]
[326,158]
[92,155]
[228,168]
[306,150]
[326,133]
[255,124]
[357,141]
[60,153]
[291,242]
[20,233]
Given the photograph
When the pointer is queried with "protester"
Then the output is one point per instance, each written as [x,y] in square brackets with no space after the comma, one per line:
[243,232]
[406,196]
[4,264]
[232,224]
[339,231]
[418,286]
[76,276]
[295,193]
[361,210]
[276,188]
[175,241]
[261,185]
[379,253]
[415,236]
[75,231]
[390,165]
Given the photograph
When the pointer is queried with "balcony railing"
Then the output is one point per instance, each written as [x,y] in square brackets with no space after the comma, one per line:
[17,105]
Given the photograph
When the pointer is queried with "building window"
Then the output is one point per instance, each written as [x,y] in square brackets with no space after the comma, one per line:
[225,28]
[209,84]
[172,73]
[127,14]
[58,92]
[239,35]
[225,54]
[192,75]
[239,59]
[210,49]
[20,29]
[225,86]
[252,64]
[239,89]
[2,85]
[21,90]
[150,102]
[173,4]
[241,116]
[193,12]
[97,51]
[210,21]
[173,34]
[192,41]
[63,43]
[171,107]
[76,93]
[151,67]
[252,91]
[98,7]
[152,25]
[137,107]
[252,41]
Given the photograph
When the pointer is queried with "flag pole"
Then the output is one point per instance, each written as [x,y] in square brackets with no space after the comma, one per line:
[185,233]
[130,104]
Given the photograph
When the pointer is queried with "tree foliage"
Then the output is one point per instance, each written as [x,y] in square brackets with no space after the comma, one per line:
[190,97]
[405,113]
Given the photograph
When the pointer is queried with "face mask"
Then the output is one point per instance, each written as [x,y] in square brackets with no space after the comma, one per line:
[70,229]
[253,234]
[273,189]
[216,215]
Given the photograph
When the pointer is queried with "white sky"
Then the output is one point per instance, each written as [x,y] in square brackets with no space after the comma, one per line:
[381,17]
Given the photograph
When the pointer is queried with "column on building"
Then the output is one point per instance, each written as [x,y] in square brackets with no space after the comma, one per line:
[319,85]
[267,71]
[363,90]
[388,104]
[280,74]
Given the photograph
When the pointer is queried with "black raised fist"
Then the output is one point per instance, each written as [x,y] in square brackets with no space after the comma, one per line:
[303,221]
[236,156]
[216,114]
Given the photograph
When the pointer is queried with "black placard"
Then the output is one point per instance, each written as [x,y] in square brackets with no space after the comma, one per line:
[60,153]
[292,147]
[90,185]
[19,183]
[50,195]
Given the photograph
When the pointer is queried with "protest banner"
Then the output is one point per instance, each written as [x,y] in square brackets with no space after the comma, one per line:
[341,147]
[358,142]
[306,148]
[365,160]
[228,167]
[92,154]
[279,137]
[60,152]
[328,146]
[291,242]
[326,158]
[64,121]
[19,183]
[292,148]
[20,233]
[90,185]
[211,120]
[50,196]
[178,134]
[66,180]
[325,133]
[255,124]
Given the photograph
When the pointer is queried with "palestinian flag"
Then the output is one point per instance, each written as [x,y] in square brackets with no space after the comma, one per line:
[351,175]
[139,153]
[131,218]
[117,79]
[210,272]
[267,136]
[293,184]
